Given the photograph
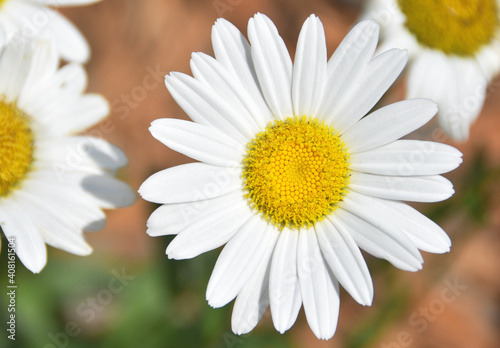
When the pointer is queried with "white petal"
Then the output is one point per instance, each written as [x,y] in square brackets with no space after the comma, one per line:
[319,289]
[284,289]
[44,64]
[233,52]
[57,230]
[253,299]
[377,235]
[18,224]
[79,152]
[388,124]
[362,37]
[432,188]
[376,78]
[50,92]
[72,45]
[345,260]
[423,232]
[273,65]
[309,70]
[219,223]
[69,199]
[456,84]
[407,157]
[173,218]
[345,70]
[459,110]
[108,191]
[203,105]
[197,141]
[66,2]
[170,219]
[214,75]
[72,78]
[15,62]
[239,260]
[190,182]
[81,113]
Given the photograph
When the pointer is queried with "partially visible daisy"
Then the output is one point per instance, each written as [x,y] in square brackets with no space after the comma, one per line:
[26,19]
[293,177]
[53,183]
[454,50]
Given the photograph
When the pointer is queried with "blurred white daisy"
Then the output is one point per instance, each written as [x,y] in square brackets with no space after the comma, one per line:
[53,183]
[26,19]
[454,51]
[292,176]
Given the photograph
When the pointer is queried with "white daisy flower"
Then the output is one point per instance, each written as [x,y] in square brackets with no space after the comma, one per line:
[454,50]
[292,176]
[53,183]
[26,19]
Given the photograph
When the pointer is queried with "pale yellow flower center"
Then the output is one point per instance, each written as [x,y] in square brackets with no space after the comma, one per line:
[295,172]
[16,146]
[456,27]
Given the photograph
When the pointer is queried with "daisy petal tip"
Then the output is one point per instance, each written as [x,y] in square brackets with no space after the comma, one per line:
[86,250]
[170,254]
[239,330]
[35,267]
[369,26]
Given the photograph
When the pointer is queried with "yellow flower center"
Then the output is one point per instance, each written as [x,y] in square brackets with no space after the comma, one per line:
[2,2]
[457,27]
[295,172]
[16,147]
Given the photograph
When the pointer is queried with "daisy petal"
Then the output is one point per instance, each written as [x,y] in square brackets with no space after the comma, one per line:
[345,69]
[273,65]
[253,300]
[388,124]
[233,51]
[173,218]
[71,43]
[423,232]
[284,289]
[79,152]
[197,141]
[108,191]
[68,200]
[457,85]
[80,114]
[239,259]
[43,66]
[14,68]
[378,76]
[407,158]
[359,43]
[377,235]
[203,105]
[345,260]
[319,289]
[217,225]
[213,74]
[66,2]
[29,244]
[56,229]
[432,188]
[309,69]
[190,182]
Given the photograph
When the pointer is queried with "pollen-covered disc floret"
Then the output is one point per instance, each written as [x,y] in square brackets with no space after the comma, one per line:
[458,27]
[296,171]
[16,146]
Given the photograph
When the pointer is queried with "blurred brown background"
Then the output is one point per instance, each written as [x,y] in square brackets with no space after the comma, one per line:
[453,302]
